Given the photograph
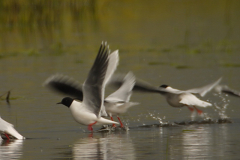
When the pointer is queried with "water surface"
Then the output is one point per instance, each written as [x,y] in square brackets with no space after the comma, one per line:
[184,44]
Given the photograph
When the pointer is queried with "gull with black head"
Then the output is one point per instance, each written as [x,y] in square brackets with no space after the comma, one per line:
[115,104]
[90,110]
[175,98]
[178,98]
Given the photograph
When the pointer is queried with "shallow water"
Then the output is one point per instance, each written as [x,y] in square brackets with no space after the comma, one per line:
[179,43]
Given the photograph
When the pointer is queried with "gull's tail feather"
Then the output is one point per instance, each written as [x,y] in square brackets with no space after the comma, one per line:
[102,120]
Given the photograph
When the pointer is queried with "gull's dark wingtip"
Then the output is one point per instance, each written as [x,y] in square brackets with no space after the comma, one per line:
[65,85]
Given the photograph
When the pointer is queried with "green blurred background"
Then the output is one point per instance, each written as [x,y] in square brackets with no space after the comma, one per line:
[182,43]
[56,27]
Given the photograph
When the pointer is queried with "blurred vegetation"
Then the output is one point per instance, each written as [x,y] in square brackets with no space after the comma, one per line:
[33,27]
[54,27]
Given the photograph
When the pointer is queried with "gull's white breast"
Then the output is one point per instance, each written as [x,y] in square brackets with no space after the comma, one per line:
[84,116]
[173,100]
[81,114]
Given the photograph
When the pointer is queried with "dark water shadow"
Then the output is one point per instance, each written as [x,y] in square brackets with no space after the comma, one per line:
[185,123]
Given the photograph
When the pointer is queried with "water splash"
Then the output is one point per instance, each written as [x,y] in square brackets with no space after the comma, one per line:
[222,105]
[157,117]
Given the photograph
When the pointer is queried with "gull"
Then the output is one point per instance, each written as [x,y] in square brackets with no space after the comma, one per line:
[87,108]
[118,102]
[8,131]
[174,97]
[115,104]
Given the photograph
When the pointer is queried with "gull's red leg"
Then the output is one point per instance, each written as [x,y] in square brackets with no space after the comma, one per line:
[120,122]
[198,110]
[113,125]
[190,108]
[7,136]
[90,126]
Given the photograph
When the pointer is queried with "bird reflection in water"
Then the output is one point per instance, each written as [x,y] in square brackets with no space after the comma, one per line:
[114,146]
[200,142]
[11,149]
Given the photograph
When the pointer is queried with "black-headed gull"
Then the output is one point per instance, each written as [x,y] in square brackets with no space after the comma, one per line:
[175,98]
[90,110]
[118,102]
[8,131]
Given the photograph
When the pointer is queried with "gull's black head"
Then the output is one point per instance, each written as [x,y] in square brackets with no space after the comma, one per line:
[67,101]
[164,86]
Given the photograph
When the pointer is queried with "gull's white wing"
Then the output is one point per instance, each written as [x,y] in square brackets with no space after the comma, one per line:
[93,88]
[191,100]
[112,66]
[9,129]
[124,93]
[202,91]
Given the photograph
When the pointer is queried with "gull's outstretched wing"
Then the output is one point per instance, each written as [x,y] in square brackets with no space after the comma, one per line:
[140,85]
[93,87]
[124,93]
[112,66]
[202,91]
[191,100]
[65,85]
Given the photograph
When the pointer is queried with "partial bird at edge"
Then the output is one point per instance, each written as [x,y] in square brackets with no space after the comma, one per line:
[8,131]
